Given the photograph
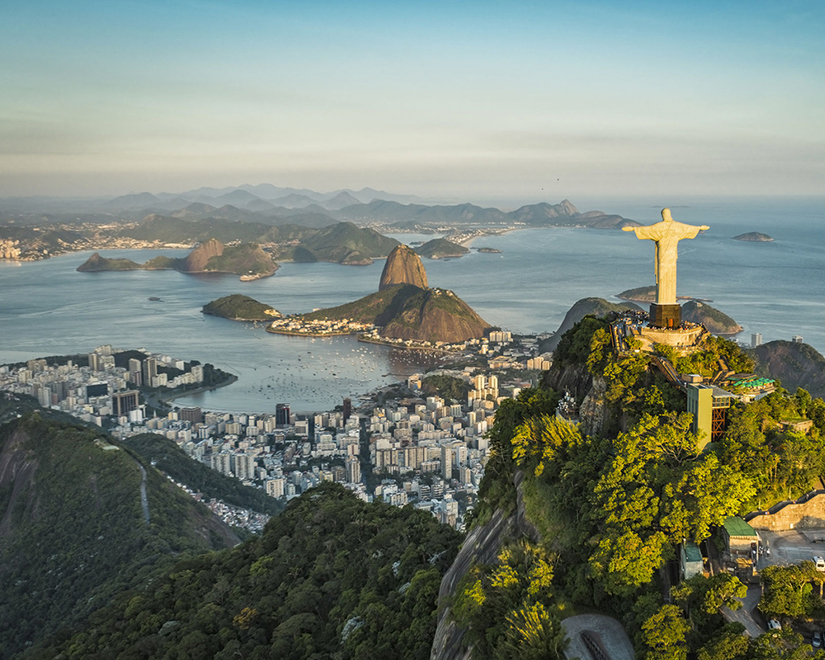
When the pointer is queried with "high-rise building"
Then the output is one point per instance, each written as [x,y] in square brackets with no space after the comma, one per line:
[244,466]
[282,414]
[756,339]
[193,415]
[353,470]
[275,487]
[347,409]
[446,462]
[124,402]
[150,370]
[94,362]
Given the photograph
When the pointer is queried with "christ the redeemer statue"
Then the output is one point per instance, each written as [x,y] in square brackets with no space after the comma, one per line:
[667,234]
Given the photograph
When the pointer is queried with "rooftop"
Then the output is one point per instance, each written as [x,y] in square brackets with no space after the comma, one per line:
[735,526]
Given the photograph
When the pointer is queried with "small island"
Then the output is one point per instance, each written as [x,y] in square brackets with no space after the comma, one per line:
[753,237]
[238,307]
[441,248]
[488,250]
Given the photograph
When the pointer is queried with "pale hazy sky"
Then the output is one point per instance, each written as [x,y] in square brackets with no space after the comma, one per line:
[440,99]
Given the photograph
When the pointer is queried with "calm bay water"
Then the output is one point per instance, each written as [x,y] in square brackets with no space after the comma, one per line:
[47,308]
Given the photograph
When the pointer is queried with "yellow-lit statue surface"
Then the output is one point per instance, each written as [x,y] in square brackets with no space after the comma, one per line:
[667,235]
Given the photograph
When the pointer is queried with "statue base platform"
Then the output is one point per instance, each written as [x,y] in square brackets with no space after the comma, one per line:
[665,316]
[684,340]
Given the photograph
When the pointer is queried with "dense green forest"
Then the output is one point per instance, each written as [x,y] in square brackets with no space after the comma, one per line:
[611,508]
[170,459]
[331,577]
[73,532]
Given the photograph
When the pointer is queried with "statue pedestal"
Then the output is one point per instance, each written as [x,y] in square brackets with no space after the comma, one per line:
[665,316]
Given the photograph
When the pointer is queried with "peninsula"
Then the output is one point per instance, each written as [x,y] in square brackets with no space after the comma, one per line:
[248,260]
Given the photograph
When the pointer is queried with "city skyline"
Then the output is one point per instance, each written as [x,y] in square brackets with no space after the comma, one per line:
[444,101]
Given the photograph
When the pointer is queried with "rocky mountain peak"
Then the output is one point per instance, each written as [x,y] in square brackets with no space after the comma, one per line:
[198,258]
[403,267]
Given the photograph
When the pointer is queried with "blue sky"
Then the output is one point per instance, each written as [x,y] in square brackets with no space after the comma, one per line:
[452,100]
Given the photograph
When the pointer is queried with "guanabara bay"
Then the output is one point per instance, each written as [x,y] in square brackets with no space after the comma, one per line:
[412,330]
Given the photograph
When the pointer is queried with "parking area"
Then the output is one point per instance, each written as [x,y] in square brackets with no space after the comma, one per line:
[790,547]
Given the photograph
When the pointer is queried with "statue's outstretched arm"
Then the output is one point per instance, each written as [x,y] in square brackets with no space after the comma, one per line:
[628,228]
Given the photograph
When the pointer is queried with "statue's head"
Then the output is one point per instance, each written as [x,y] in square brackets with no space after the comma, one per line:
[666,215]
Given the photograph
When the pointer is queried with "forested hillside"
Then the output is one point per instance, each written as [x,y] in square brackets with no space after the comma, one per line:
[610,506]
[73,528]
[331,577]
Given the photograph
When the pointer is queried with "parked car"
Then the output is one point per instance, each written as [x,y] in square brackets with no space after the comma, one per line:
[773,624]
[819,562]
[816,642]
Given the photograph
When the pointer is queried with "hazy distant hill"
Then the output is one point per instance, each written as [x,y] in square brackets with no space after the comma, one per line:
[440,248]
[210,256]
[344,243]
[393,212]
[340,201]
[795,365]
[714,320]
[534,215]
[73,531]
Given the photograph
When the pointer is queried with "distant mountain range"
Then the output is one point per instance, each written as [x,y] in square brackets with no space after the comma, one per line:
[273,205]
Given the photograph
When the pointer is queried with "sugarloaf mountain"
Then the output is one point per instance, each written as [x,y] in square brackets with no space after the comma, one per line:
[404,307]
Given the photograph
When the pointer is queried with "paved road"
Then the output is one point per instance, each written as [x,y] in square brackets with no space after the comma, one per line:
[607,629]
[144,500]
[747,615]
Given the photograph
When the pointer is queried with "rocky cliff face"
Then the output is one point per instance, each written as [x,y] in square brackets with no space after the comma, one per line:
[574,378]
[200,256]
[593,412]
[403,267]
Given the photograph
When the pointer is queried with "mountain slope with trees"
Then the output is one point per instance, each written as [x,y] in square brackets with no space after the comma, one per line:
[331,576]
[73,531]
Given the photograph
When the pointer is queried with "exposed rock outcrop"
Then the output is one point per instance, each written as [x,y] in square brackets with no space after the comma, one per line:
[403,267]
[593,412]
[480,547]
[574,378]
[196,261]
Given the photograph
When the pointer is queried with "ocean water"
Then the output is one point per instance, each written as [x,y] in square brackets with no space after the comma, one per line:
[47,308]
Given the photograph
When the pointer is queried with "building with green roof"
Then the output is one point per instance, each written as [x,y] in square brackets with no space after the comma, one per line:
[739,536]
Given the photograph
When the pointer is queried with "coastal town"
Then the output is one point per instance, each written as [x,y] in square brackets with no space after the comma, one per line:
[405,444]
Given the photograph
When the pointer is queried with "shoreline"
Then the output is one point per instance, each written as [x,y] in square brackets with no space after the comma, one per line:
[391,344]
[165,400]
[308,334]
